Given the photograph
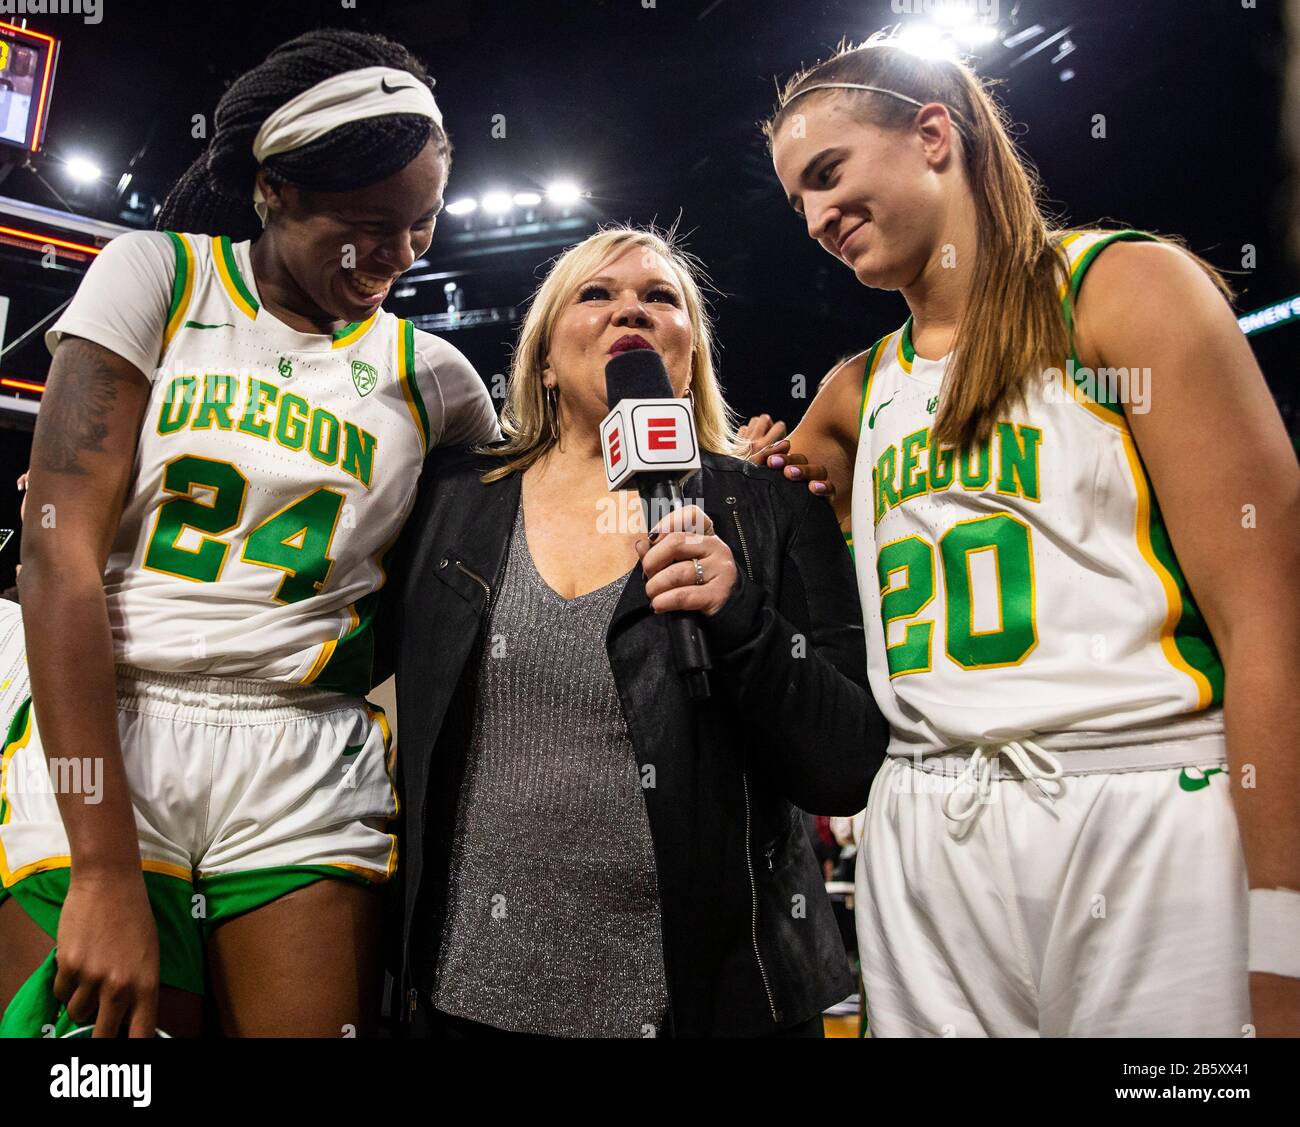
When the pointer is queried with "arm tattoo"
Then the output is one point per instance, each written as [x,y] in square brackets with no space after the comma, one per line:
[73,418]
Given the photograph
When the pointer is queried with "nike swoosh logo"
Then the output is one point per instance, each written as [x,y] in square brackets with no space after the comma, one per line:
[1191,783]
[871,419]
[200,325]
[383,85]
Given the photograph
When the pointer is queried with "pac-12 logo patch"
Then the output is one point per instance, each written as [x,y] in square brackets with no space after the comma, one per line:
[364,377]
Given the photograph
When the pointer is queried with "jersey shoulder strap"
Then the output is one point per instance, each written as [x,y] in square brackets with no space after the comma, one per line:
[875,355]
[408,380]
[238,291]
[189,252]
[1081,250]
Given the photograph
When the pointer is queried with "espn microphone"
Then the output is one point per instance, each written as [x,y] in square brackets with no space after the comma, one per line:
[648,442]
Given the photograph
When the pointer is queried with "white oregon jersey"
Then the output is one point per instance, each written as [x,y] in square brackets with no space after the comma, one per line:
[1025,587]
[274,471]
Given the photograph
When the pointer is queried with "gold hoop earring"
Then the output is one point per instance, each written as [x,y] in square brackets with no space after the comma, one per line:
[553,413]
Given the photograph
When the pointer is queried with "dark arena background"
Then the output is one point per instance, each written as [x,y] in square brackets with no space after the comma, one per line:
[1180,117]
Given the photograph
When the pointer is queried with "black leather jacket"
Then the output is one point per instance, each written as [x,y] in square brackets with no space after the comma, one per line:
[750,945]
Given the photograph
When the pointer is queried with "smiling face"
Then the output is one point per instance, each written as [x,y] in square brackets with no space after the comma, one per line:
[632,301]
[390,224]
[874,198]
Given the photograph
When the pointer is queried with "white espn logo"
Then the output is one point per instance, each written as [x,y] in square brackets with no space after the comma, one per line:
[648,436]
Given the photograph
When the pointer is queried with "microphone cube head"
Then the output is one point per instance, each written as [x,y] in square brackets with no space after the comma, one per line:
[648,436]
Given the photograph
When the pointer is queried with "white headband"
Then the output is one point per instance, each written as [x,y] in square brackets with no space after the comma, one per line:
[852,86]
[351,96]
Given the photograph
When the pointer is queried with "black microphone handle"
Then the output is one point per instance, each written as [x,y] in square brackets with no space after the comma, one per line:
[660,495]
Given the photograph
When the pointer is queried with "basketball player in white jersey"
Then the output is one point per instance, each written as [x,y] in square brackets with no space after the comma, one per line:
[229,444]
[1065,838]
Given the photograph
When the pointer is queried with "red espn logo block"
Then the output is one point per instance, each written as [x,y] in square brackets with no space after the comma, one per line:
[661,434]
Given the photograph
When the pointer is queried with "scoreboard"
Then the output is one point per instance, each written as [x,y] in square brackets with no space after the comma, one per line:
[27,63]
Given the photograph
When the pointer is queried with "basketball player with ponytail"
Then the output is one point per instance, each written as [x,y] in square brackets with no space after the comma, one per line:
[1074,511]
[229,445]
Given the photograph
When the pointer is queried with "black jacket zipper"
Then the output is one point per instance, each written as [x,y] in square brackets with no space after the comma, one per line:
[487,589]
[744,782]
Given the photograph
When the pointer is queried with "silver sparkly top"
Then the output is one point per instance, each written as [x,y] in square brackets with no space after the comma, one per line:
[552,920]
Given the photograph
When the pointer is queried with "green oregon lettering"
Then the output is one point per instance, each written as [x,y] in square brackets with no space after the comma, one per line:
[217,401]
[1008,462]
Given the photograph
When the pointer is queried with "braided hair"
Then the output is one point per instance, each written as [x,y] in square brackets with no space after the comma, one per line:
[215,195]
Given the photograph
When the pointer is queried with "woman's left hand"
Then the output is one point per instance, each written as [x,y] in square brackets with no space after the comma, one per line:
[686,566]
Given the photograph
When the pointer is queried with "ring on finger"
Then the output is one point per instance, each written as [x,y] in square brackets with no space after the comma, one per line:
[699,573]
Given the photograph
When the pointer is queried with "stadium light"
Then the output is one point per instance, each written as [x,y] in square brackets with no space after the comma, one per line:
[565,193]
[527,199]
[1024,36]
[953,14]
[497,203]
[976,35]
[82,170]
[927,41]
[466,206]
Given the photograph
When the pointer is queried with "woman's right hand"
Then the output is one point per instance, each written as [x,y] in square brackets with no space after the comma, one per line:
[107,954]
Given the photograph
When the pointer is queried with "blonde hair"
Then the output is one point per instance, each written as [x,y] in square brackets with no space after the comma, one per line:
[527,420]
[1013,324]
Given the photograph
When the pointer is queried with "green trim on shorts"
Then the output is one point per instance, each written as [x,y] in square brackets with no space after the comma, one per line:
[233,894]
[184,924]
[35,1012]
